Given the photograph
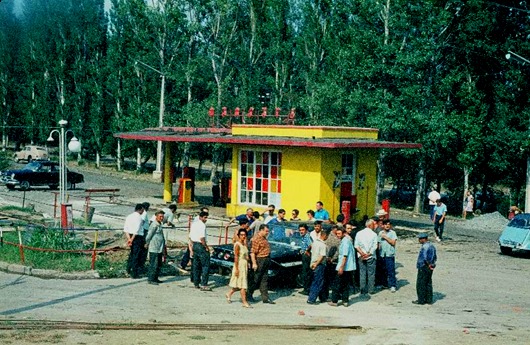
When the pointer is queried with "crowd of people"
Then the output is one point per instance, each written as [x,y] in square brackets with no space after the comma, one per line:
[337,258]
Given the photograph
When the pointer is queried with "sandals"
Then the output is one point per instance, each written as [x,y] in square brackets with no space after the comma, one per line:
[228,299]
[246,305]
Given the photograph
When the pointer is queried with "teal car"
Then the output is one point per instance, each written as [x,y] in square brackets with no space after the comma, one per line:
[516,235]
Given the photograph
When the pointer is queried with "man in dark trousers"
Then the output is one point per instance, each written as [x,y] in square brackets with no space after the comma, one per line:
[134,232]
[260,256]
[425,265]
[155,242]
[305,244]
[201,252]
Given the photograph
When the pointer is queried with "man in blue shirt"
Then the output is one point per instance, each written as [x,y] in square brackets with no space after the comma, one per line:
[425,265]
[387,251]
[320,213]
[440,211]
[305,275]
[345,268]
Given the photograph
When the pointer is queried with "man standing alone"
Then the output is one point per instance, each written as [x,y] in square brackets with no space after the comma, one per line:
[260,256]
[425,265]
[134,231]
[201,252]
[440,210]
[366,246]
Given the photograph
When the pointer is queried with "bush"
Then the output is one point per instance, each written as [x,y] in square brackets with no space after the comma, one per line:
[5,160]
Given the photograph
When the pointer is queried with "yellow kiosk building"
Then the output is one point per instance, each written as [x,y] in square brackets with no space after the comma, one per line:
[291,167]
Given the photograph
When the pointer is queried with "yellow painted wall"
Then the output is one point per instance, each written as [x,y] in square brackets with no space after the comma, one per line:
[366,189]
[331,161]
[303,184]
[305,131]
[300,179]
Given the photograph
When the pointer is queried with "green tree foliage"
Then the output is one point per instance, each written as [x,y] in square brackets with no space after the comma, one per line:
[432,72]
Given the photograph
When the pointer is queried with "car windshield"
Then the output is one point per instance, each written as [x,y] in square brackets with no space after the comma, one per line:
[33,166]
[520,222]
[287,232]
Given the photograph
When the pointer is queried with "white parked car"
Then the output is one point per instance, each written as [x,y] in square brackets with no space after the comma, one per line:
[31,152]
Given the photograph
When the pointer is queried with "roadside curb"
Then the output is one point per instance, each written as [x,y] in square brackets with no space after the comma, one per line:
[46,274]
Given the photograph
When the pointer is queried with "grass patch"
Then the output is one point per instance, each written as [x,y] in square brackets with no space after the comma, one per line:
[16,208]
[197,337]
[108,265]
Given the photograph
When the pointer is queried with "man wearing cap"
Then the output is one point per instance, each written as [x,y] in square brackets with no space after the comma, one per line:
[425,265]
[366,246]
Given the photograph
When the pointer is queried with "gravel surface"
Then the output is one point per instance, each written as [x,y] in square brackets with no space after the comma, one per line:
[481,297]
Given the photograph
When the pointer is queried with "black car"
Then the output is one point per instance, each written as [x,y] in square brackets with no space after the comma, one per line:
[39,173]
[286,257]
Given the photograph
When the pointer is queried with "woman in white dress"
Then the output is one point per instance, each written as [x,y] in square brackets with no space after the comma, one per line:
[238,280]
[468,204]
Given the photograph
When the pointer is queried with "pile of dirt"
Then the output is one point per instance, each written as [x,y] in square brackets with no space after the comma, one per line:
[489,222]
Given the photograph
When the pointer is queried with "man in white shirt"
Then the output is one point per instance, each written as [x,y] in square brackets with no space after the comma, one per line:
[318,265]
[145,225]
[201,252]
[169,215]
[134,232]
[366,246]
[269,214]
[433,196]
[188,255]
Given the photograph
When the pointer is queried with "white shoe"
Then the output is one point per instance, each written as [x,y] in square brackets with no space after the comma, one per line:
[438,239]
[392,289]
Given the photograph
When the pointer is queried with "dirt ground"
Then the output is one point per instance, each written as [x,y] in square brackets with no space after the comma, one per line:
[481,297]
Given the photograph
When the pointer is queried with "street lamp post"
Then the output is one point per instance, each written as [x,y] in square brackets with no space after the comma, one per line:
[74,146]
[519,58]
[158,169]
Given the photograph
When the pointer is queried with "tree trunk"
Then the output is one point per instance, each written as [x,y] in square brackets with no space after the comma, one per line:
[138,159]
[380,185]
[118,156]
[420,192]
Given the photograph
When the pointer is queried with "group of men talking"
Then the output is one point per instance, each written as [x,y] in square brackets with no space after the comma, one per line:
[338,258]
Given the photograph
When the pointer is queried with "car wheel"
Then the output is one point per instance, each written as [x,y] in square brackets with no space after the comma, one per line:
[10,187]
[53,186]
[30,159]
[506,250]
[69,185]
[25,185]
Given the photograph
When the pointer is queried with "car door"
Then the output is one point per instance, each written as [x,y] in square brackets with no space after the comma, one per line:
[53,176]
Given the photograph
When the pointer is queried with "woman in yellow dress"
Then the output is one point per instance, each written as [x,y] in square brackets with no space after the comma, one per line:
[238,280]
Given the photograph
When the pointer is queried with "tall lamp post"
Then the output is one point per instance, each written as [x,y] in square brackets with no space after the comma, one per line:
[519,58]
[158,169]
[74,146]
